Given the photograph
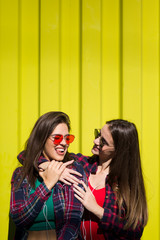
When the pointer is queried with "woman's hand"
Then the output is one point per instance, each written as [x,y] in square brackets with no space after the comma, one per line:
[43,166]
[67,175]
[88,200]
[52,172]
[68,178]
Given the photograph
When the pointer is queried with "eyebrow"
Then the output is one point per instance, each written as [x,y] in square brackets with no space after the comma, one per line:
[53,135]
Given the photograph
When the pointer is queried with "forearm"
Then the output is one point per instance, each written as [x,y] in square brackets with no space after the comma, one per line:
[98,211]
[24,209]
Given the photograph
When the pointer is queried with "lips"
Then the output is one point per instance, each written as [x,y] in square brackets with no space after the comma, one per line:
[96,147]
[60,150]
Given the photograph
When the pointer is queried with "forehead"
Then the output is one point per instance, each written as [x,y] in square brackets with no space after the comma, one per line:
[61,128]
[106,134]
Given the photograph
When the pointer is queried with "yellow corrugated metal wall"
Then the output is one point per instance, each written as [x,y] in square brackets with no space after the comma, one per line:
[93,59]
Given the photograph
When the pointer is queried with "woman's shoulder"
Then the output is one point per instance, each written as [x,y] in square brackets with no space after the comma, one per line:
[79,157]
[77,166]
[17,172]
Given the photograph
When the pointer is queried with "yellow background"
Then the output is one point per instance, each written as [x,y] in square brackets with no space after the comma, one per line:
[93,59]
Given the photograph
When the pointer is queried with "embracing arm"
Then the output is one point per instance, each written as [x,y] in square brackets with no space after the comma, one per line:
[24,208]
[109,220]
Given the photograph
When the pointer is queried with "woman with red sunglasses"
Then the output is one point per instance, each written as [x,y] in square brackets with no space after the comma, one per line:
[41,206]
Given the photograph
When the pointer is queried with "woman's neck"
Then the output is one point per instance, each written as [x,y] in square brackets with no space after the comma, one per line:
[103,166]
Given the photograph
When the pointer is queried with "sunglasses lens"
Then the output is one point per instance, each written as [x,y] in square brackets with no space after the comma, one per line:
[57,139]
[69,139]
[96,133]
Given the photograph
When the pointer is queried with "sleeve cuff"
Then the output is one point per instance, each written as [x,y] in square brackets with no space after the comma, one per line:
[43,192]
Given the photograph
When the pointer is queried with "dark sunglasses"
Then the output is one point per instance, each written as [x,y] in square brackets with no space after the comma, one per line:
[97,134]
[57,138]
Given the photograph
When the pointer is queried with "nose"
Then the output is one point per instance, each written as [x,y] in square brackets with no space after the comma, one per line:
[63,142]
[97,141]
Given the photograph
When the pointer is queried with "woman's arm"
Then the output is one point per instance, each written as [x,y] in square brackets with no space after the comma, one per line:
[109,220]
[69,226]
[67,175]
[24,208]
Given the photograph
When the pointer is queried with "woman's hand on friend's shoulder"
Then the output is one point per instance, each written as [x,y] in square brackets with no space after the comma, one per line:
[67,175]
[51,172]
[86,197]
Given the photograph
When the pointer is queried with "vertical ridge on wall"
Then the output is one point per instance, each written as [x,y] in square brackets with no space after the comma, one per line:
[29,67]
[70,40]
[141,75]
[8,104]
[50,72]
[132,61]
[91,72]
[159,105]
[121,59]
[101,34]
[111,56]
[80,75]
[150,114]
[60,53]
[39,60]
[19,78]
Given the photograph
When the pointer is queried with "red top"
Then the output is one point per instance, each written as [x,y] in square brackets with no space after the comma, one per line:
[89,226]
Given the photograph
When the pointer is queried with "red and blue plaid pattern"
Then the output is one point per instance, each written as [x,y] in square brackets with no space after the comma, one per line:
[112,225]
[25,207]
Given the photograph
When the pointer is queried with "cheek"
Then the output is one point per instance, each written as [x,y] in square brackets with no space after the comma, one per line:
[106,154]
[49,151]
[97,141]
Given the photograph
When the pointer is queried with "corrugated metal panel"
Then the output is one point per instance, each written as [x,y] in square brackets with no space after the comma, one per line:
[93,59]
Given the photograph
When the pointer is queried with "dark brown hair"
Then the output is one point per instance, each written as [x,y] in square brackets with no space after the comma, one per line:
[35,144]
[126,167]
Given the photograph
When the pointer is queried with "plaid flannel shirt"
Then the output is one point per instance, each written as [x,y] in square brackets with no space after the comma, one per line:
[24,207]
[111,225]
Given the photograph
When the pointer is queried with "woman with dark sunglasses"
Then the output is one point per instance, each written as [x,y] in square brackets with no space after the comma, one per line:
[41,206]
[114,200]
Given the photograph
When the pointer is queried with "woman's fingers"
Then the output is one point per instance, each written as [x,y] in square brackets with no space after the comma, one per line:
[41,169]
[75,172]
[43,166]
[73,179]
[68,163]
[56,164]
[65,181]
[60,169]
[80,194]
[84,185]
[52,174]
[78,190]
[79,198]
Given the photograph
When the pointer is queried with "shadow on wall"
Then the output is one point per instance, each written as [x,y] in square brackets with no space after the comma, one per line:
[11,230]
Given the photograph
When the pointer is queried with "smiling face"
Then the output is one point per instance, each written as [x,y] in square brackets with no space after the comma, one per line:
[103,144]
[56,152]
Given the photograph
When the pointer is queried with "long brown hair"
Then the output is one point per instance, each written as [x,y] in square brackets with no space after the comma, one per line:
[126,166]
[35,143]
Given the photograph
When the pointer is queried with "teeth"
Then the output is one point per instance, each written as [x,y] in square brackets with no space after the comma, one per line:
[61,150]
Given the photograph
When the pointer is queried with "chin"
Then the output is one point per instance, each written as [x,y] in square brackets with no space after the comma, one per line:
[59,159]
[95,152]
